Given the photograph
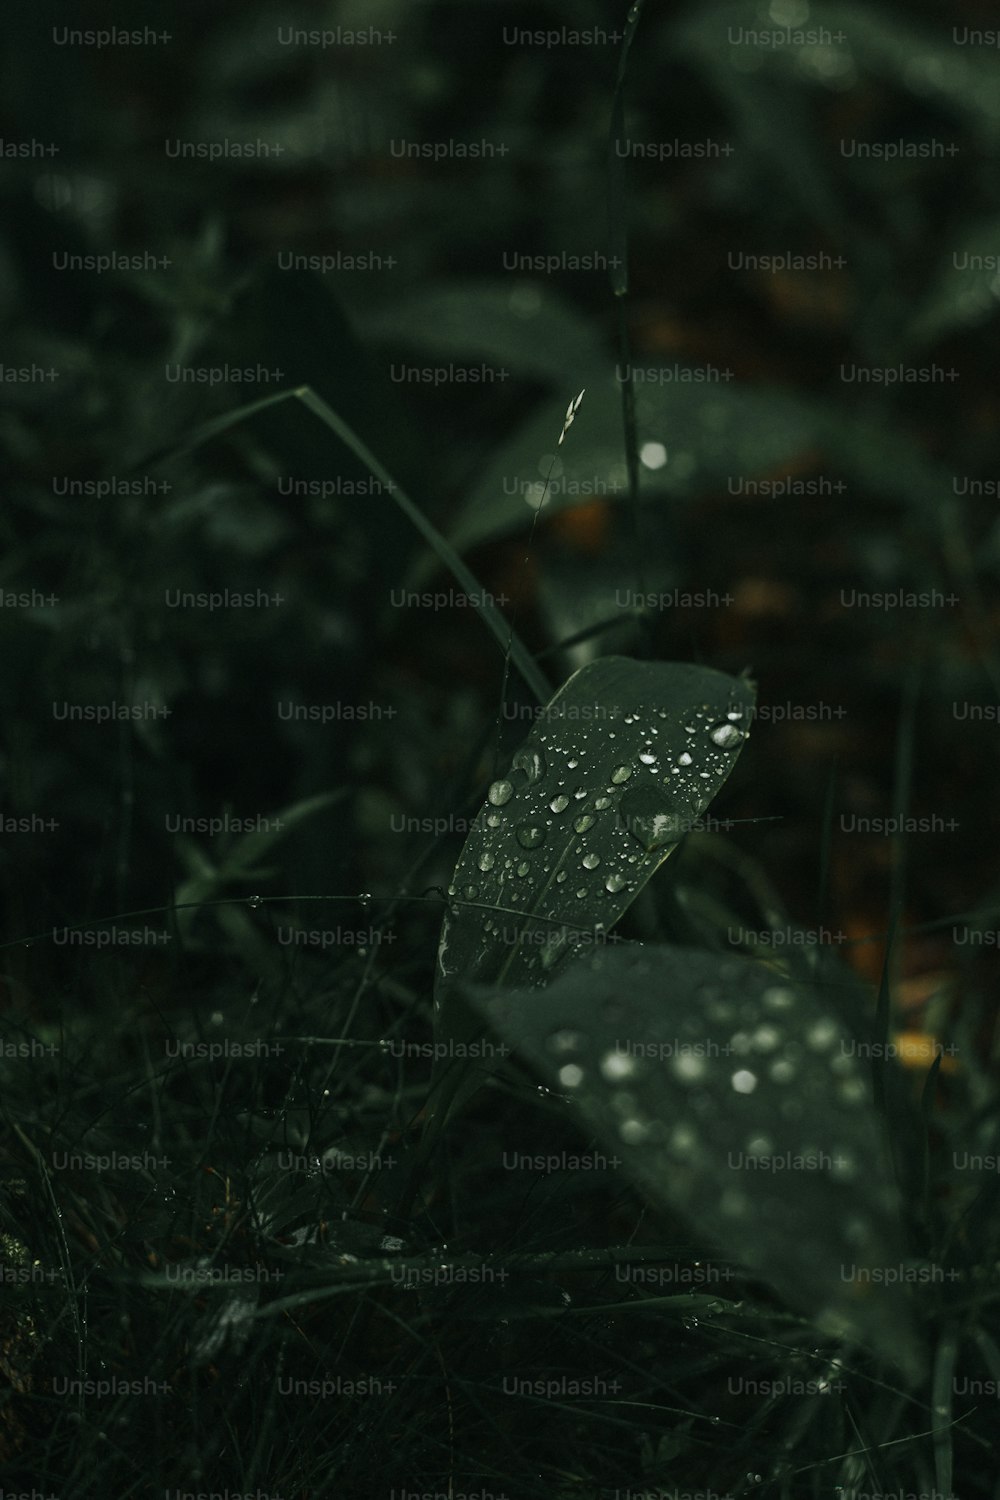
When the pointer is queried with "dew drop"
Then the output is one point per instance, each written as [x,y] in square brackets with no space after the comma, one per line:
[591,861]
[531,763]
[647,755]
[614,883]
[821,1034]
[560,877]
[583,822]
[601,803]
[523,868]
[471,892]
[255,901]
[618,1065]
[620,774]
[559,804]
[500,792]
[689,1066]
[486,861]
[530,835]
[493,820]
[566,1041]
[684,759]
[650,816]
[727,736]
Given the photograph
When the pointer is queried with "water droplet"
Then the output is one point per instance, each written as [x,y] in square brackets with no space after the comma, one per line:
[523,868]
[591,861]
[580,791]
[689,1321]
[560,877]
[559,804]
[486,861]
[493,820]
[614,883]
[531,763]
[618,1065]
[684,759]
[556,947]
[573,762]
[566,1041]
[689,1066]
[620,774]
[583,822]
[821,1034]
[581,893]
[500,792]
[571,1076]
[256,901]
[650,817]
[471,892]
[601,803]
[530,835]
[727,736]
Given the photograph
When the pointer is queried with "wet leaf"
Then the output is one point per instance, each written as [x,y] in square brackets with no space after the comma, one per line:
[738,1101]
[620,764]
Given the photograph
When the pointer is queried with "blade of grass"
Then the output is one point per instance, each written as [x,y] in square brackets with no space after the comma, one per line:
[493,619]
[618,265]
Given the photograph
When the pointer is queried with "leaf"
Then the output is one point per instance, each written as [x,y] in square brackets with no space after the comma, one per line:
[736,1100]
[713,431]
[620,764]
[531,331]
[965,287]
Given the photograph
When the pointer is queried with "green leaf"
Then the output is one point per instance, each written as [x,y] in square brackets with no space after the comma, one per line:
[713,431]
[736,1100]
[962,296]
[533,333]
[621,763]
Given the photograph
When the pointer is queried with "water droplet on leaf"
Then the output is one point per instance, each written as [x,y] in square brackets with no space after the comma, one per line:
[650,817]
[530,835]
